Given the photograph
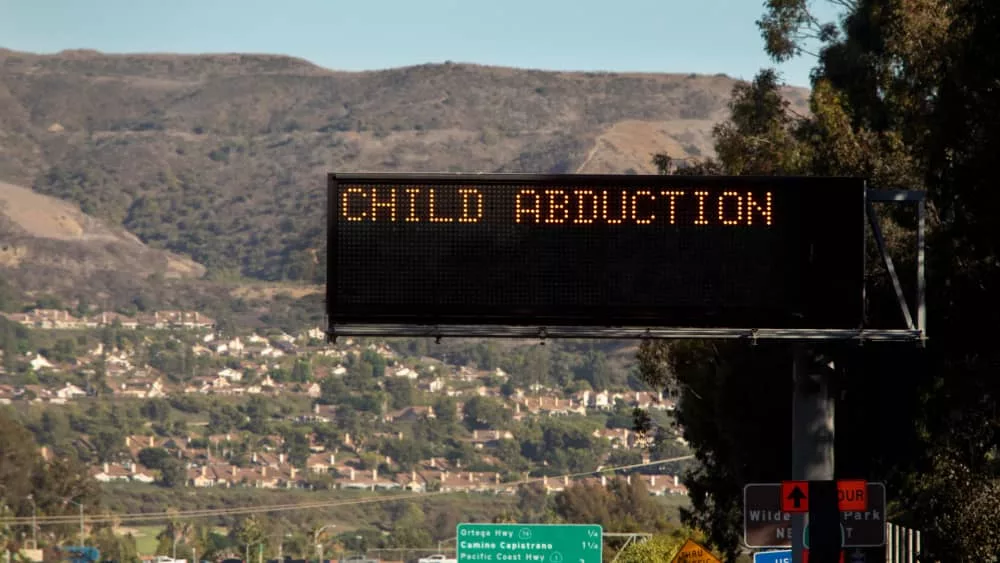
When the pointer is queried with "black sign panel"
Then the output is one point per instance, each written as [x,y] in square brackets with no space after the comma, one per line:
[575,250]
[766,525]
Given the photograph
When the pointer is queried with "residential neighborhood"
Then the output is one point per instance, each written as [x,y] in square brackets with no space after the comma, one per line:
[170,356]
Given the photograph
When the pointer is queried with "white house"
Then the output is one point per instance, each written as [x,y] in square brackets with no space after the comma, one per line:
[231,374]
[40,362]
[70,391]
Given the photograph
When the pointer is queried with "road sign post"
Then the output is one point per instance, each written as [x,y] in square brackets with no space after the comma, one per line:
[812,442]
[526,543]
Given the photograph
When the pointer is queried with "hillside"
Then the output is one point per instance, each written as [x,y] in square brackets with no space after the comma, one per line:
[223,158]
[50,246]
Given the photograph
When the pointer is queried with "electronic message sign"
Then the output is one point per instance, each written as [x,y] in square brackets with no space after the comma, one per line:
[601,251]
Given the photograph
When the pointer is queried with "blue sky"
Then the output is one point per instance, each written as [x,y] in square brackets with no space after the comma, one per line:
[704,36]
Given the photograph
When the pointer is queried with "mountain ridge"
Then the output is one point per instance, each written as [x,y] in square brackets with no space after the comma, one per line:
[223,158]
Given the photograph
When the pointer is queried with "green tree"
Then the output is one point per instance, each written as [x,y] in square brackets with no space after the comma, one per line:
[172,473]
[297,447]
[153,458]
[376,361]
[156,409]
[401,391]
[332,390]
[661,547]
[486,356]
[225,418]
[8,296]
[302,372]
[55,430]
[258,413]
[109,444]
[446,410]
[116,548]
[176,537]
[8,345]
[408,452]
[249,533]
[17,462]
[27,480]
[596,371]
[64,350]
[410,527]
[625,505]
[561,446]
[485,412]
[904,95]
[535,367]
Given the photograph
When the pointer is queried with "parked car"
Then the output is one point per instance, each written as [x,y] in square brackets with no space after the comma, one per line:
[437,558]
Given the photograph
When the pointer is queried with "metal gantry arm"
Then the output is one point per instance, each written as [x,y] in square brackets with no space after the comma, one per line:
[919,198]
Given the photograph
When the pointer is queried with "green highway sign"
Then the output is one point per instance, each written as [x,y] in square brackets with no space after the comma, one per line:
[541,543]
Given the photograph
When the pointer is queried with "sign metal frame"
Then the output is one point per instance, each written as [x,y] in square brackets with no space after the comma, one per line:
[881,502]
[914,331]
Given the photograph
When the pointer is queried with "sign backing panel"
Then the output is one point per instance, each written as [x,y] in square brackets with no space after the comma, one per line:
[602,251]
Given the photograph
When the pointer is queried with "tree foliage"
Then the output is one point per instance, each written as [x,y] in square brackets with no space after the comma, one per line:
[905,95]
[624,505]
[29,481]
[661,547]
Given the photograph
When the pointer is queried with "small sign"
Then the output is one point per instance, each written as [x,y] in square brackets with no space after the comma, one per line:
[693,553]
[852,495]
[782,556]
[766,525]
[795,496]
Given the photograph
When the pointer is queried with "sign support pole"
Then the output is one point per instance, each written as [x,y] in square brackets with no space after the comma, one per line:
[812,431]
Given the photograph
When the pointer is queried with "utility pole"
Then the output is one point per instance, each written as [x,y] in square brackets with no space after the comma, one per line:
[82,534]
[812,433]
[316,542]
[34,522]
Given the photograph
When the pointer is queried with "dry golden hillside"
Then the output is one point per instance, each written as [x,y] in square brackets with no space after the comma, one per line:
[223,158]
[50,246]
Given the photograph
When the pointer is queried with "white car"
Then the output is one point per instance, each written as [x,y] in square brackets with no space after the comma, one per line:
[436,558]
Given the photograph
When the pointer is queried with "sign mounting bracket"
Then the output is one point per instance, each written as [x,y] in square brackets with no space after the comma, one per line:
[919,199]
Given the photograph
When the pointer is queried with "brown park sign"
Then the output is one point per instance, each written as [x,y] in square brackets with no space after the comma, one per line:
[693,553]
[766,525]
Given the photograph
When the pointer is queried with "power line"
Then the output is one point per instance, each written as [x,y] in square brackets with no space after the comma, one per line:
[208,513]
